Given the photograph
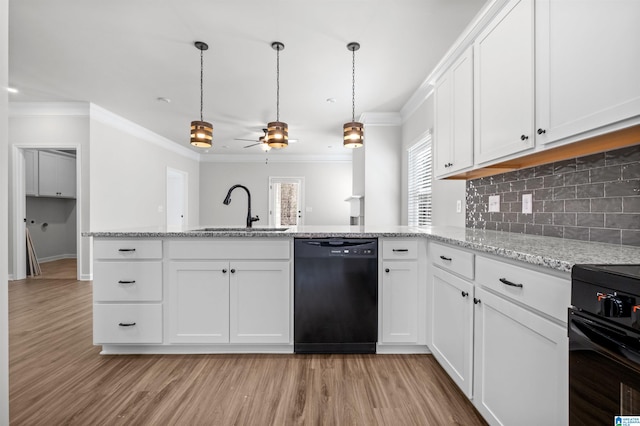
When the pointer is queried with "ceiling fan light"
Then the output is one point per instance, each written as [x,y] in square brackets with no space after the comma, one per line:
[277,134]
[201,134]
[353,134]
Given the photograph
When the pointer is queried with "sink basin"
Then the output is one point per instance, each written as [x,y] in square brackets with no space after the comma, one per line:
[239,230]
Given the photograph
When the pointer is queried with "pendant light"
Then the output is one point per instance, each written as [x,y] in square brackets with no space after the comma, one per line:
[201,131]
[353,131]
[277,131]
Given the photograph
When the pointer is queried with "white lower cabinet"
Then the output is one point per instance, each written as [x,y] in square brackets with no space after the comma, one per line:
[222,302]
[399,302]
[520,367]
[452,327]
[259,302]
[198,302]
[127,323]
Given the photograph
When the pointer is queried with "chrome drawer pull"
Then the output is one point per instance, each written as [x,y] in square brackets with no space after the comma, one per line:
[446,258]
[127,249]
[127,324]
[400,250]
[126,282]
[507,282]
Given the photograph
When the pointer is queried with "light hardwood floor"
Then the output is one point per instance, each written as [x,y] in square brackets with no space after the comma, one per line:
[58,377]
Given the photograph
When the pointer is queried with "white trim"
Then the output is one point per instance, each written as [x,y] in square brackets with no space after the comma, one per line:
[261,158]
[420,138]
[57,257]
[382,348]
[118,122]
[86,277]
[381,119]
[35,109]
[465,40]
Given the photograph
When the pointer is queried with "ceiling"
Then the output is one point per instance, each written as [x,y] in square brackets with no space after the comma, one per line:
[124,55]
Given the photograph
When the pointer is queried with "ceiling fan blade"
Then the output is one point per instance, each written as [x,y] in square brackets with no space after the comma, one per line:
[239,139]
[254,144]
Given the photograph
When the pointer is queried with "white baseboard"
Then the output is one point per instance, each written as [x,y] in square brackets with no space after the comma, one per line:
[12,277]
[402,349]
[86,277]
[57,257]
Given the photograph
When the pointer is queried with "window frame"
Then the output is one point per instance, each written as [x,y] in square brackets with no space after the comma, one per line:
[420,182]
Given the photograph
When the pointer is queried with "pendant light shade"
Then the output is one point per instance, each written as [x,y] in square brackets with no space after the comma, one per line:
[201,131]
[277,131]
[353,131]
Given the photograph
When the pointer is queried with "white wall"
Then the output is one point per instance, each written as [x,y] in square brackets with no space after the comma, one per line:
[129,175]
[445,192]
[382,174]
[54,125]
[56,240]
[326,187]
[4,257]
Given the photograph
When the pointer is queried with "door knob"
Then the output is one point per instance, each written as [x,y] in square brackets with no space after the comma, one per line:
[465,294]
[476,301]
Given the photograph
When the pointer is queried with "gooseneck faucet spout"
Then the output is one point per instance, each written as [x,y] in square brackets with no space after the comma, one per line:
[227,201]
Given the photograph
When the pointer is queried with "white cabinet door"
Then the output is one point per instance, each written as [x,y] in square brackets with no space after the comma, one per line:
[451,307]
[520,366]
[198,302]
[260,309]
[400,302]
[587,64]
[57,175]
[454,117]
[31,171]
[504,83]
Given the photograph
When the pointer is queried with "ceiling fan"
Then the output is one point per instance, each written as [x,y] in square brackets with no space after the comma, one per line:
[261,141]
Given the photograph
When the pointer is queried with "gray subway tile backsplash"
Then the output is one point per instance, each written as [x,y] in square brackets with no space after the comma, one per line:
[590,198]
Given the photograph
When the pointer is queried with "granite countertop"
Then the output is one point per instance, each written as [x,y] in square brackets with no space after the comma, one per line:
[554,253]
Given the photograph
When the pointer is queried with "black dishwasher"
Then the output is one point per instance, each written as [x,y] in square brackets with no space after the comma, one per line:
[335,295]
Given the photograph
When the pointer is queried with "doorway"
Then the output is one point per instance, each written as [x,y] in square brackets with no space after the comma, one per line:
[177,199]
[286,201]
[53,217]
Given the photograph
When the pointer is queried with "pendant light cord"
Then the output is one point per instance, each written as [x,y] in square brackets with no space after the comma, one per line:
[353,85]
[278,84]
[201,83]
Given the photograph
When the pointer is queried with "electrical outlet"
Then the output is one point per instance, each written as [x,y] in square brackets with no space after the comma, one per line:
[527,203]
[459,206]
[494,203]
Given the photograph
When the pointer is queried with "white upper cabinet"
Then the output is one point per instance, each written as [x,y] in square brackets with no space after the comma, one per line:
[504,83]
[57,175]
[454,117]
[587,62]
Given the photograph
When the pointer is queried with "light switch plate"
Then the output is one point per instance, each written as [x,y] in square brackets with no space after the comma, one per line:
[527,203]
[494,203]
[459,206]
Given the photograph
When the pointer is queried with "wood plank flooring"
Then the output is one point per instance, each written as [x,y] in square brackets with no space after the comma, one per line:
[58,377]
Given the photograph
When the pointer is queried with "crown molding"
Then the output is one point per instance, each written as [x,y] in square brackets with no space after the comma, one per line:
[107,117]
[34,109]
[381,118]
[262,158]
[466,39]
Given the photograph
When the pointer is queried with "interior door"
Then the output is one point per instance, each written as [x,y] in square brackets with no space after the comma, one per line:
[176,200]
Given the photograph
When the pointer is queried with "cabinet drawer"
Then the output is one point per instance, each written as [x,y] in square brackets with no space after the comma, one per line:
[127,249]
[452,259]
[140,323]
[399,249]
[127,281]
[546,293]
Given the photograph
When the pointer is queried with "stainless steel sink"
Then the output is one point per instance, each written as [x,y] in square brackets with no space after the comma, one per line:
[239,230]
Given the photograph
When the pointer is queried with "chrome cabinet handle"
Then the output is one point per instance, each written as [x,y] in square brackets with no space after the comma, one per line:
[509,283]
[127,324]
[446,258]
[127,282]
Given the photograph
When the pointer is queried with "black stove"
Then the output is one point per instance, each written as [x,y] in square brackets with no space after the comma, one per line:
[604,344]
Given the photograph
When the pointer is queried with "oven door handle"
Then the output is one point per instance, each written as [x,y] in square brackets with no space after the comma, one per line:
[617,341]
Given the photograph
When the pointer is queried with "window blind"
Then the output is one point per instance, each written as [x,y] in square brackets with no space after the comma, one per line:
[420,174]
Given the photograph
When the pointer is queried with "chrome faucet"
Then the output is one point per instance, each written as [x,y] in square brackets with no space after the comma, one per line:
[227,201]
